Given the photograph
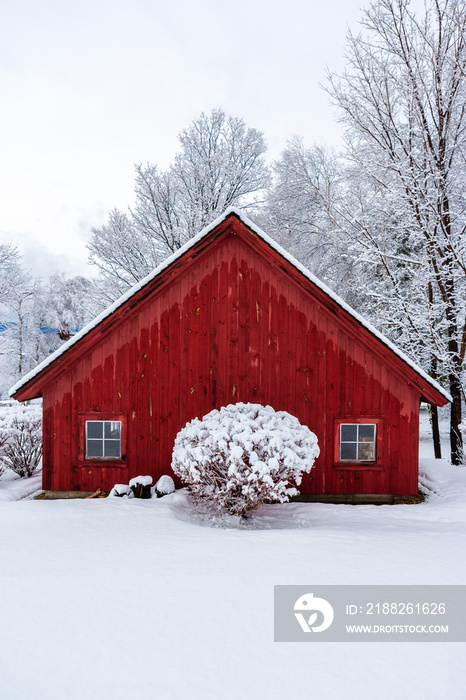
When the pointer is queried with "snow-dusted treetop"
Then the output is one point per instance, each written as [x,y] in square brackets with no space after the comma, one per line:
[179,253]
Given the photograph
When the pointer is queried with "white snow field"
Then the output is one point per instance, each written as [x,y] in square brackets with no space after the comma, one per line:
[139,599]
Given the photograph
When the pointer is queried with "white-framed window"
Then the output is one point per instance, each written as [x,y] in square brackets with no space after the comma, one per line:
[103,439]
[358,442]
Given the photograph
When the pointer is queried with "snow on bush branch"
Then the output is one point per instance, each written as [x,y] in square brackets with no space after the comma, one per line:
[243,455]
[21,438]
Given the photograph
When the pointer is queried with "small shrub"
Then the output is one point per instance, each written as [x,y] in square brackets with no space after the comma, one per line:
[4,435]
[243,455]
[21,439]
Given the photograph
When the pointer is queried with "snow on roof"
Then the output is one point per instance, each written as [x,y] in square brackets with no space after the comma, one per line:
[172,258]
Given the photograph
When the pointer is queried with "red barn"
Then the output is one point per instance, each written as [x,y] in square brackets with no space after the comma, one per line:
[230,317]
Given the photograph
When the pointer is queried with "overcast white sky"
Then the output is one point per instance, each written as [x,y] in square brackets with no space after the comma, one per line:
[91,87]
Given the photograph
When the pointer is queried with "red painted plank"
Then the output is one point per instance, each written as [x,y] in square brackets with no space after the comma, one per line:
[47,430]
[64,431]
[153,384]
[321,394]
[122,370]
[244,325]
[252,342]
[96,379]
[291,351]
[222,390]
[369,387]
[57,476]
[233,329]
[204,324]
[86,364]
[389,438]
[342,370]
[281,329]
[359,380]
[349,378]
[214,332]
[413,442]
[145,459]
[399,477]
[333,381]
[132,417]
[173,420]
[76,409]
[192,319]
[273,340]
[264,317]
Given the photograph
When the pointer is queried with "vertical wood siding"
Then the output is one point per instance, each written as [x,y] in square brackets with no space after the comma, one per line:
[234,325]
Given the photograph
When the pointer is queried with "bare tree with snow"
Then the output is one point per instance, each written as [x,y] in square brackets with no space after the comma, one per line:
[296,215]
[221,163]
[36,315]
[402,100]
[9,264]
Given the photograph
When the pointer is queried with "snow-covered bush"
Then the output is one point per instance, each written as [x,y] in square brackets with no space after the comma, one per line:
[164,486]
[243,455]
[4,434]
[21,438]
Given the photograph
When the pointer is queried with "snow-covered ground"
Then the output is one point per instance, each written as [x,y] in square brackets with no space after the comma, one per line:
[139,599]
[12,488]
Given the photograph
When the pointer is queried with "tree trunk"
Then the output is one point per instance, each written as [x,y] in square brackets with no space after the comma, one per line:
[456,438]
[20,344]
[433,410]
[456,441]
[433,414]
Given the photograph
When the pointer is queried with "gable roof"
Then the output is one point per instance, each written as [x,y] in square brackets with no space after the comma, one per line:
[44,367]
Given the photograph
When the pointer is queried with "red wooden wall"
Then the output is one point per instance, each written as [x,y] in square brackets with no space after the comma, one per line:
[231,323]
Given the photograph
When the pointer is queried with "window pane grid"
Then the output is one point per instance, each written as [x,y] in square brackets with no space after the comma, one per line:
[357,442]
[103,439]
